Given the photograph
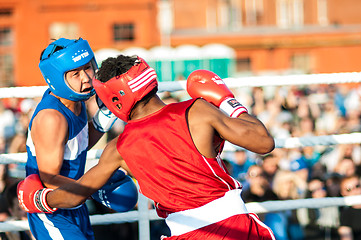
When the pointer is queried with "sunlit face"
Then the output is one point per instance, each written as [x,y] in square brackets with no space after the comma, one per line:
[350,187]
[80,79]
[346,167]
[270,165]
[256,175]
[317,188]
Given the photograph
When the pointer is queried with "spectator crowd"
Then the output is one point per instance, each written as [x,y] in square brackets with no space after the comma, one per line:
[284,174]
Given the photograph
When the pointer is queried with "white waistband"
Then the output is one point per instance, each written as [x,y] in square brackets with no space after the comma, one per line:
[222,208]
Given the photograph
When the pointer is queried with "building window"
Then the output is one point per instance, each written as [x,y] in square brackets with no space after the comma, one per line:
[254,12]
[322,16]
[236,14]
[65,30]
[301,63]
[6,12]
[6,59]
[5,36]
[290,13]
[224,14]
[6,71]
[123,32]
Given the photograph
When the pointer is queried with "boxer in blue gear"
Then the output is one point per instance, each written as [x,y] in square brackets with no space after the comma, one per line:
[59,135]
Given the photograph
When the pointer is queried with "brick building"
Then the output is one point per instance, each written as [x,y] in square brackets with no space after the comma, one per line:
[266,36]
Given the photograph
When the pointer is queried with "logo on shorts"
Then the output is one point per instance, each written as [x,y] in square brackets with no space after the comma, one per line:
[79,55]
[234,103]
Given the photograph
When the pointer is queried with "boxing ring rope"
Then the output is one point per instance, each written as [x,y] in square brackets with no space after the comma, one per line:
[257,81]
[293,142]
[143,215]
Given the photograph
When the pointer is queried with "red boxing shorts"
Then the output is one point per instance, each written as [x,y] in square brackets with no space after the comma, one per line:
[224,218]
[242,226]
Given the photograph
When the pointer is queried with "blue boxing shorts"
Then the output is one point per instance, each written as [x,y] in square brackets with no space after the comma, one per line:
[62,224]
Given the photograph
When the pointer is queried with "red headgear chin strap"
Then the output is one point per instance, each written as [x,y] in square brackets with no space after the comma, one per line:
[122,92]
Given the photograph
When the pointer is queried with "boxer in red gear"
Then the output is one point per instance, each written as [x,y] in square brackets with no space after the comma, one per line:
[174,151]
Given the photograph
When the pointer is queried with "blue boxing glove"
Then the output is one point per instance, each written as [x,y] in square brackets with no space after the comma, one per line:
[103,119]
[120,193]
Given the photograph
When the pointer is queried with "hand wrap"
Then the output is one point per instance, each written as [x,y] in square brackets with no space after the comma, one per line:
[32,195]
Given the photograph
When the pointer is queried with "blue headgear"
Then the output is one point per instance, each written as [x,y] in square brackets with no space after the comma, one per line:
[60,57]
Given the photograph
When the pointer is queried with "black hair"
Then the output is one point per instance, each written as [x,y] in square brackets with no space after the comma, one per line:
[115,66]
[112,67]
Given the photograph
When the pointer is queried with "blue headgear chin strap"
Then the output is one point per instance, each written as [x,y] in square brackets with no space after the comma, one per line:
[60,57]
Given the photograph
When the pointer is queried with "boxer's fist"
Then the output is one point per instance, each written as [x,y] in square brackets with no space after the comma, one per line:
[119,193]
[209,86]
[32,195]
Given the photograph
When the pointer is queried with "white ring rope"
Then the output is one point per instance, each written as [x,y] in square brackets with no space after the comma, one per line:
[256,207]
[258,81]
[325,140]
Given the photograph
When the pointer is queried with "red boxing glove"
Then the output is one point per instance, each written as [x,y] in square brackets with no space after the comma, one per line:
[32,195]
[209,86]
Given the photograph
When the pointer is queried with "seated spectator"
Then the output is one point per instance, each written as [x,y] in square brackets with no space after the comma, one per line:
[4,212]
[16,213]
[331,157]
[7,122]
[299,167]
[350,216]
[320,223]
[259,190]
[311,156]
[23,116]
[240,163]
[333,181]
[326,123]
[270,164]
[288,185]
[306,127]
[318,170]
[345,167]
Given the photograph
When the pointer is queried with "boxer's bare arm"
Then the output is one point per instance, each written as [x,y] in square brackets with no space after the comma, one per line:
[49,143]
[205,120]
[75,193]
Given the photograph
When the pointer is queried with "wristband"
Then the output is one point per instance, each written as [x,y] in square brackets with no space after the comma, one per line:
[232,107]
[102,122]
[40,201]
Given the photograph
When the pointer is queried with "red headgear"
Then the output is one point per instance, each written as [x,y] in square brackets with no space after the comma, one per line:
[122,92]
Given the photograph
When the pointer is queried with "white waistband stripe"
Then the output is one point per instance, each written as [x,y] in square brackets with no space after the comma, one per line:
[222,208]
